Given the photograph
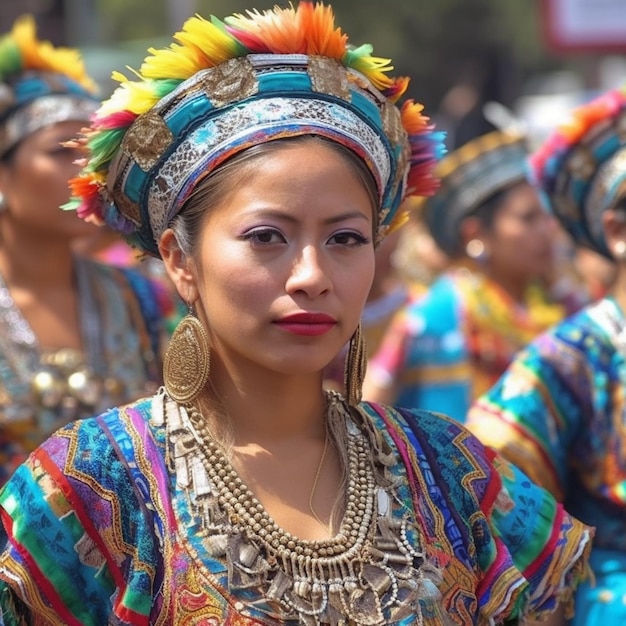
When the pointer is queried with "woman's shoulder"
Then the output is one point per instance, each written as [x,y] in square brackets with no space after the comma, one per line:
[100,446]
[591,323]
[514,531]
[94,495]
[87,462]
[438,444]
[441,428]
[584,338]
[128,282]
[140,410]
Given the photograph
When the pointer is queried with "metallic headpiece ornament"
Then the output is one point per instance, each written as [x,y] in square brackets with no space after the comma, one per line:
[39,85]
[580,170]
[228,85]
[469,176]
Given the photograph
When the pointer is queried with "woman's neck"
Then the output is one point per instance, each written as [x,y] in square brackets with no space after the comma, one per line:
[263,406]
[36,263]
[514,285]
[618,288]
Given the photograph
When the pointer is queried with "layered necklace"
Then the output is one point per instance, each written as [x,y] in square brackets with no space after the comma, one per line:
[372,572]
[57,386]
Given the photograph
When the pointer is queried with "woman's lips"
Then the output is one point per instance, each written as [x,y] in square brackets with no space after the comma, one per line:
[308,324]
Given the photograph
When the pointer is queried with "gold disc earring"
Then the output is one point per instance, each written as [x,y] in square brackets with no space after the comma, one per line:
[355,367]
[187,360]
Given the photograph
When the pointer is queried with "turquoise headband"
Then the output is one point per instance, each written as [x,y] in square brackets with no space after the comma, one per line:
[35,100]
[246,101]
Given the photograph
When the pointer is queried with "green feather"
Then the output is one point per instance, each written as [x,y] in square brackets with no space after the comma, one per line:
[10,58]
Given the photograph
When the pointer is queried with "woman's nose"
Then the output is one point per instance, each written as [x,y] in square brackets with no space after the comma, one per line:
[309,274]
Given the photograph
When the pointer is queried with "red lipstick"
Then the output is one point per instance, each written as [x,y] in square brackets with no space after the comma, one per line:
[309,324]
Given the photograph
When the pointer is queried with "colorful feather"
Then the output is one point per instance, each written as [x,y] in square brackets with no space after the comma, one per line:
[307,29]
[546,162]
[21,50]
[202,44]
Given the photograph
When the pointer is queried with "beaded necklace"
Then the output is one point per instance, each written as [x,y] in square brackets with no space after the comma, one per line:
[57,385]
[370,573]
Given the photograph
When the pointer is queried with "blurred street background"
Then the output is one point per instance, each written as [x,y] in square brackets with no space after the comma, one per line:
[474,63]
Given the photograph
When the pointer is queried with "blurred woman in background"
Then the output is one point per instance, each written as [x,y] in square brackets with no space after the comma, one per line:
[451,344]
[75,336]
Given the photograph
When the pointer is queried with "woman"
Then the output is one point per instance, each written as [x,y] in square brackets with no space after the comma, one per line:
[76,337]
[261,157]
[558,411]
[445,348]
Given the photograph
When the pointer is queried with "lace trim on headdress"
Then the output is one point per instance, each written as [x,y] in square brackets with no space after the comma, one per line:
[42,112]
[241,125]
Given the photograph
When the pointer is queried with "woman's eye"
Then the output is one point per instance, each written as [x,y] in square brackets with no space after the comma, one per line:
[60,152]
[348,238]
[264,236]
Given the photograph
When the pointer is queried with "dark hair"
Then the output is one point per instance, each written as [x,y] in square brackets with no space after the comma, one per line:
[187,225]
[9,156]
[620,205]
[488,209]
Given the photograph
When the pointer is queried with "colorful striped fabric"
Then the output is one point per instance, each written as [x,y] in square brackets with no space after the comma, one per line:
[558,413]
[100,533]
[450,345]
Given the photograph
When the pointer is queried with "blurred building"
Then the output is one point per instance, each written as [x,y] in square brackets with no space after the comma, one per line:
[51,17]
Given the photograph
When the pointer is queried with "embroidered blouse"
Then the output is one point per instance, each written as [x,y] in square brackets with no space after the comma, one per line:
[105,526]
[558,414]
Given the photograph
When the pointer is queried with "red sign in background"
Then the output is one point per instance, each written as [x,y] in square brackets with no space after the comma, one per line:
[585,25]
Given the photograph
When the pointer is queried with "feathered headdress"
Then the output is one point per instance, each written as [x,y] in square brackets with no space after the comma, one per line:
[580,169]
[223,86]
[39,84]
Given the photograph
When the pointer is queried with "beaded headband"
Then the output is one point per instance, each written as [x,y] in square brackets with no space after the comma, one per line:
[580,169]
[469,176]
[226,86]
[39,85]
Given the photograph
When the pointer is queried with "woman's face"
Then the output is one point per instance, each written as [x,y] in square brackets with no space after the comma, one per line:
[520,241]
[286,260]
[35,183]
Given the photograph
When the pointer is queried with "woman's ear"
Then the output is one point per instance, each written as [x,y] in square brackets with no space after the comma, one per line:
[179,267]
[469,229]
[614,225]
[4,177]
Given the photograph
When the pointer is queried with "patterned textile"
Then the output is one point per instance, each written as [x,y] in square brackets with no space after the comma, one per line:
[101,531]
[580,168]
[121,315]
[449,346]
[225,86]
[558,413]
